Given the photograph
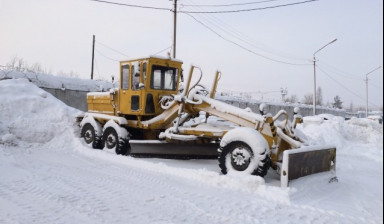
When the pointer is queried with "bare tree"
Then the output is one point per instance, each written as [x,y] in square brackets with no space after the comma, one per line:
[291,99]
[17,63]
[36,68]
[308,99]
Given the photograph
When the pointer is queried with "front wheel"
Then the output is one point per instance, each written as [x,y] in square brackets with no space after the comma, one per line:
[244,150]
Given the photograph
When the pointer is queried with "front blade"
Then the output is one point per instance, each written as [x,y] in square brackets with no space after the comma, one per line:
[305,161]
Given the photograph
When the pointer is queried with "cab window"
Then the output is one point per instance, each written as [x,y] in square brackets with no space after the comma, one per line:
[135,77]
[125,77]
[163,78]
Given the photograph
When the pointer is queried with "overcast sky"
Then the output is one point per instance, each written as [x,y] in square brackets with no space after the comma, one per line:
[257,51]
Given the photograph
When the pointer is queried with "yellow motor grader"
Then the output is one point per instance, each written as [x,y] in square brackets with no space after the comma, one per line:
[151,113]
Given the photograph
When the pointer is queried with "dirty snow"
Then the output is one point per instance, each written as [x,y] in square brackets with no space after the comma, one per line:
[48,175]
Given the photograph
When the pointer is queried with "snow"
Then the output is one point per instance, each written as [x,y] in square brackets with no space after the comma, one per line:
[121,132]
[56,82]
[49,175]
[96,125]
[119,120]
[97,95]
[226,108]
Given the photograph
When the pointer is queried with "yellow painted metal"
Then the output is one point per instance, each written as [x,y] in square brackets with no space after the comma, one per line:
[214,86]
[102,103]
[127,94]
[120,102]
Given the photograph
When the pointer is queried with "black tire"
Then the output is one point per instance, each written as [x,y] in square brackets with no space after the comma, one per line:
[89,136]
[241,156]
[112,140]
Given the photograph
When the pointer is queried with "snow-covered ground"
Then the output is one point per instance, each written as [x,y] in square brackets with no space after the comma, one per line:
[48,175]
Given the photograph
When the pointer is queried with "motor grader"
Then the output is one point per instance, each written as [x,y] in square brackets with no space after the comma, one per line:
[151,113]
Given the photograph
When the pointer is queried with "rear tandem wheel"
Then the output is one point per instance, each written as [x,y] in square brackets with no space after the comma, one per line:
[113,140]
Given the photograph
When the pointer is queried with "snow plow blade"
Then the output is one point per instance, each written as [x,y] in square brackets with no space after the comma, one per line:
[305,161]
[163,149]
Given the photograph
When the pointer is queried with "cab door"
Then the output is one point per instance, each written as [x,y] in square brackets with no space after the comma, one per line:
[130,96]
[135,94]
[125,101]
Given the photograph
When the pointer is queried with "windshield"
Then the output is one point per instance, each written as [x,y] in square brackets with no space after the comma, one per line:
[163,78]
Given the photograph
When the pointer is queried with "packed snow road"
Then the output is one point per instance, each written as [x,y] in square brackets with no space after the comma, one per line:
[48,175]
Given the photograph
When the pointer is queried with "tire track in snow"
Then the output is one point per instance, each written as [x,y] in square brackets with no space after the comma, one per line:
[102,191]
[245,216]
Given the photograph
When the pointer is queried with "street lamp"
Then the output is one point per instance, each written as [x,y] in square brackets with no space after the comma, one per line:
[366,84]
[314,75]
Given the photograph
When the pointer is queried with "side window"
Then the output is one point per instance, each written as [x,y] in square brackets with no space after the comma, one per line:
[169,80]
[144,72]
[135,77]
[156,79]
[125,77]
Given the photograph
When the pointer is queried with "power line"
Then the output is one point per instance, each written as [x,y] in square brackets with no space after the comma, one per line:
[163,50]
[112,49]
[234,4]
[244,48]
[350,91]
[248,10]
[341,73]
[228,11]
[130,5]
[105,55]
[378,87]
[217,23]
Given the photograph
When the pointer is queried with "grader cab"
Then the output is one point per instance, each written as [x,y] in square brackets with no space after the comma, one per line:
[149,115]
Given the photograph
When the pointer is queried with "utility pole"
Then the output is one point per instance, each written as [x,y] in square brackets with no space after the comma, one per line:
[174,27]
[314,85]
[366,88]
[93,55]
[314,74]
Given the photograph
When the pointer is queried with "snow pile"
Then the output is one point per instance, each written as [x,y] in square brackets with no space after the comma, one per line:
[365,131]
[346,135]
[31,115]
[56,82]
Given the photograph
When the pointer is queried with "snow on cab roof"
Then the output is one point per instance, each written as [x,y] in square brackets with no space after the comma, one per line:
[156,57]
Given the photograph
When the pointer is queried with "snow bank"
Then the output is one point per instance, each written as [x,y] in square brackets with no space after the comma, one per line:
[57,82]
[29,114]
[345,135]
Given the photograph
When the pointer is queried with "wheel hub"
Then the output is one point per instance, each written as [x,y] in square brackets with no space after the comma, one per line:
[111,141]
[88,135]
[240,158]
